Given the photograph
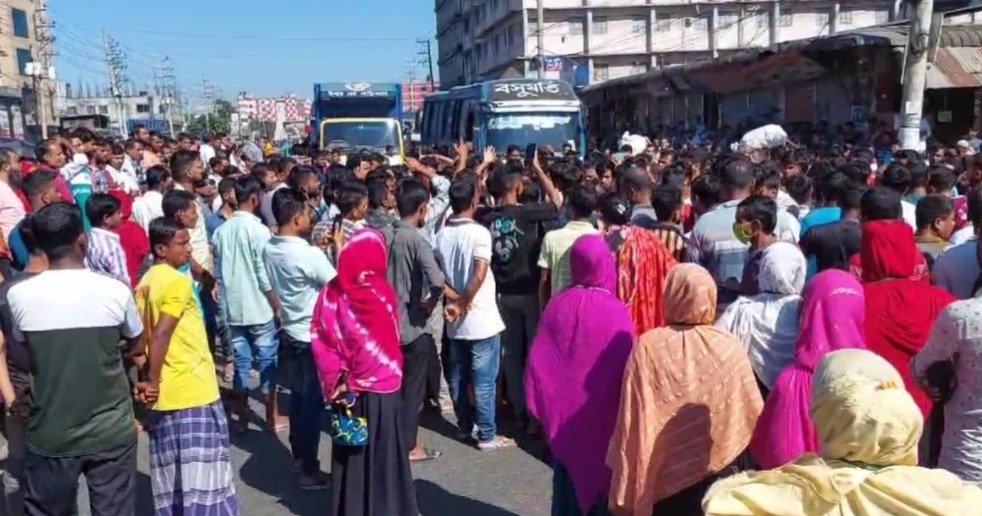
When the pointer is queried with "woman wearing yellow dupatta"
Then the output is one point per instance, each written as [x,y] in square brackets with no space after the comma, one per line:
[869,428]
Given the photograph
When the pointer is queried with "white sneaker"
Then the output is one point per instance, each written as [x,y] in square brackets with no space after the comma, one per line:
[498,443]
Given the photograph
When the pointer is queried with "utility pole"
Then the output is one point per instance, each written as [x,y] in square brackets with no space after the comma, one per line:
[116,65]
[42,69]
[167,89]
[915,74]
[209,91]
[540,37]
[427,53]
[411,75]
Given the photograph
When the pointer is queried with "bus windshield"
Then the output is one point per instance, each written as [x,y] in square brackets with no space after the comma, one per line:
[374,134]
[522,129]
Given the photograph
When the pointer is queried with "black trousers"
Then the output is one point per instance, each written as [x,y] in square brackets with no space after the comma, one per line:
[417,358]
[52,482]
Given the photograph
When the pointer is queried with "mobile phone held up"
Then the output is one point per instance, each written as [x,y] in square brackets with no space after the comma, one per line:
[531,151]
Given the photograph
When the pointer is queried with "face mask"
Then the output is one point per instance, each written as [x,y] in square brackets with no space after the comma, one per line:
[741,234]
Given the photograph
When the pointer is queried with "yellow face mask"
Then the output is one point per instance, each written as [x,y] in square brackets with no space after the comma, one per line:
[740,233]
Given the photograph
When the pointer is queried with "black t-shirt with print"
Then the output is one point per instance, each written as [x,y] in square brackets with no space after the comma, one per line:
[516,237]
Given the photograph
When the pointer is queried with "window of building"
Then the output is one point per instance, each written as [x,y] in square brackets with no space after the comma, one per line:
[19,19]
[89,110]
[143,108]
[162,109]
[845,17]
[786,20]
[763,20]
[600,26]
[882,17]
[822,20]
[574,27]
[728,20]
[103,110]
[23,57]
[71,110]
[663,24]
[601,72]
[639,25]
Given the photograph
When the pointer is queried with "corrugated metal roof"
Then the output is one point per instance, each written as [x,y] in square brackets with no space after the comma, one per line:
[894,34]
[961,36]
[956,67]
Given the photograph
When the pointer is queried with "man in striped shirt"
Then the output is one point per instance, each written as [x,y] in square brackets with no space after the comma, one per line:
[667,203]
[713,243]
[105,251]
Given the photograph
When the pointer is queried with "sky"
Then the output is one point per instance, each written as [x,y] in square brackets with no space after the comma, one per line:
[267,48]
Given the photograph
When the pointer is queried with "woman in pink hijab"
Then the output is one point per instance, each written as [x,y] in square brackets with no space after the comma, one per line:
[574,374]
[832,318]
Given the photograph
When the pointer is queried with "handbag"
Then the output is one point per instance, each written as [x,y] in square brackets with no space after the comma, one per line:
[346,428]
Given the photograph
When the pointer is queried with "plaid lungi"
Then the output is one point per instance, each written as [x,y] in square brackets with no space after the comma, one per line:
[190,465]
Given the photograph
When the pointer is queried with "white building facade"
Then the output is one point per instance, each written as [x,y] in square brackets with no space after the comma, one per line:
[607,39]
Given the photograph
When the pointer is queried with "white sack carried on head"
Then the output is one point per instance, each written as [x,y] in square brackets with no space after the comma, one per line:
[764,137]
[637,142]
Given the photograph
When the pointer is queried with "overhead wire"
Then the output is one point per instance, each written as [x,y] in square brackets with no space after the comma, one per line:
[264,37]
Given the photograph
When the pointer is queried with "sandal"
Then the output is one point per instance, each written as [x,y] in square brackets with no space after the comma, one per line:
[429,456]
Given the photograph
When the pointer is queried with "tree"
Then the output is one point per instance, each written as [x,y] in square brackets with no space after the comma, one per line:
[217,120]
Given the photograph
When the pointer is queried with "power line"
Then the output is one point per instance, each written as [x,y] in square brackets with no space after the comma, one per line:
[259,37]
[78,65]
[684,43]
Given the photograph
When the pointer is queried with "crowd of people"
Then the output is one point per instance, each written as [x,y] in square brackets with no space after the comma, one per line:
[787,330]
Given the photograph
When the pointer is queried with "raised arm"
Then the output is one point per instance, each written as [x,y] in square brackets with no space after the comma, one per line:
[552,193]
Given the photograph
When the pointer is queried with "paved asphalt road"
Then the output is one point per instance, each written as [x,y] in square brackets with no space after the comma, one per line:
[463,482]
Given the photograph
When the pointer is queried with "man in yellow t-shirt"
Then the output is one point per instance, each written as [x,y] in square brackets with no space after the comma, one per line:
[189,445]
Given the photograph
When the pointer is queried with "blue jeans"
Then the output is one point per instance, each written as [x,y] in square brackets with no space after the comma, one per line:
[306,403]
[475,362]
[262,339]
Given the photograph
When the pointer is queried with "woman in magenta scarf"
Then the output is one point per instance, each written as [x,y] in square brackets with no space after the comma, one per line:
[355,343]
[832,316]
[574,375]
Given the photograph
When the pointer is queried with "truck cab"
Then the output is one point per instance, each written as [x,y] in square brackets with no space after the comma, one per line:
[359,117]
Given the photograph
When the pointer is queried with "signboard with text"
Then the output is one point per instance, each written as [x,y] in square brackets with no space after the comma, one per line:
[357,90]
[530,90]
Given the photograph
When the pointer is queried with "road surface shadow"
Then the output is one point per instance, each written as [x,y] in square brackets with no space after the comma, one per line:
[445,425]
[435,500]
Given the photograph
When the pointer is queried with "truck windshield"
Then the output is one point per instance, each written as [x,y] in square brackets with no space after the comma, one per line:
[522,129]
[376,134]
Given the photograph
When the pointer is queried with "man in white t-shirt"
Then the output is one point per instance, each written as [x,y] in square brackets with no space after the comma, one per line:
[474,326]
[205,150]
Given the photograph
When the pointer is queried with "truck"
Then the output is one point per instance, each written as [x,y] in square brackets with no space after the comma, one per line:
[358,116]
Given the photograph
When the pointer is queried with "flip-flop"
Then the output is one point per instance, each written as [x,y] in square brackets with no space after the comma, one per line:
[430,456]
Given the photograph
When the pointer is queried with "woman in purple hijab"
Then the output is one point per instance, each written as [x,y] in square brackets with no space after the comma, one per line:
[574,374]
